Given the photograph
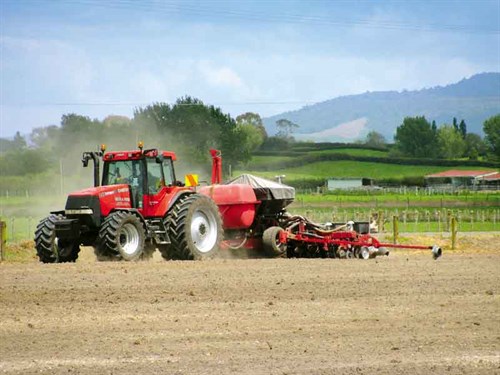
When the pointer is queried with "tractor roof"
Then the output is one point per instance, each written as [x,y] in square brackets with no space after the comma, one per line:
[138,154]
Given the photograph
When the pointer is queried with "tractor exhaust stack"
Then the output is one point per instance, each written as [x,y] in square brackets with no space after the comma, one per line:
[95,158]
[216,166]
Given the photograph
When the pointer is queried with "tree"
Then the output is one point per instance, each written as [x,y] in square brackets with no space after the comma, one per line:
[434,127]
[80,131]
[491,128]
[463,128]
[73,123]
[251,139]
[194,128]
[415,137]
[450,142]
[19,142]
[116,121]
[474,146]
[285,128]
[43,137]
[254,119]
[455,124]
[375,139]
[23,162]
[251,126]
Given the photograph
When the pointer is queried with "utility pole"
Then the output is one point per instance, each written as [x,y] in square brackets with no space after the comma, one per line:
[61,179]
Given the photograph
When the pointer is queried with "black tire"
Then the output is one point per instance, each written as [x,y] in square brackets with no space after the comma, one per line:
[166,251]
[194,226]
[271,244]
[121,237]
[51,249]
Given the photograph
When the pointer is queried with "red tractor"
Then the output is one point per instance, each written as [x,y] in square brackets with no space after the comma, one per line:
[140,206]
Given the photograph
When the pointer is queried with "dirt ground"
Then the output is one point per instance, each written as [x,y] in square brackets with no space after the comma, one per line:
[402,314]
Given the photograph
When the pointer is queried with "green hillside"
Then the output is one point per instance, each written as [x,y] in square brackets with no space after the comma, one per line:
[312,165]
[326,169]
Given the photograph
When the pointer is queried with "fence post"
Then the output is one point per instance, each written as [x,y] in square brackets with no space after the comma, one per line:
[453,232]
[3,239]
[395,229]
[380,221]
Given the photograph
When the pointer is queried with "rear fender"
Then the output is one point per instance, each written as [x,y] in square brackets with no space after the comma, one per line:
[176,197]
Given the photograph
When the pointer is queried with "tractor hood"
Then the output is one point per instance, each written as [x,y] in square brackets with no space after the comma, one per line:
[101,199]
[100,190]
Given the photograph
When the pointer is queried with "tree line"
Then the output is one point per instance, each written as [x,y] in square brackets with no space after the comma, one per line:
[188,127]
[417,137]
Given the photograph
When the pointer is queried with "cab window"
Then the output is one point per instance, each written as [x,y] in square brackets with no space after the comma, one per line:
[155,176]
[122,172]
[168,170]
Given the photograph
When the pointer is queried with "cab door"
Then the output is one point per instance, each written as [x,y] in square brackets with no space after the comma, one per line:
[155,187]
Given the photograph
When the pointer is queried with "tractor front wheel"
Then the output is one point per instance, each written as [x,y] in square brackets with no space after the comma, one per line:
[49,248]
[121,237]
[271,243]
[194,226]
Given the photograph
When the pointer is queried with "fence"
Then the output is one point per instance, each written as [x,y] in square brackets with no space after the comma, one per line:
[406,190]
[418,220]
[20,228]
[410,220]
[3,239]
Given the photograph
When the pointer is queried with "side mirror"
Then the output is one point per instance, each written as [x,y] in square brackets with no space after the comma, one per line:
[85,159]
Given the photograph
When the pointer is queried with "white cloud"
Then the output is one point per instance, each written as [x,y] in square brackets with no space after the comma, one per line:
[219,76]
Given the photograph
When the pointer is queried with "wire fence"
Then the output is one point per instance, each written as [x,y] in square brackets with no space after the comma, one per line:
[418,220]
[411,220]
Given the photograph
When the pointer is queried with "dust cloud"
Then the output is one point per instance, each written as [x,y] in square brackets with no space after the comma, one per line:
[34,197]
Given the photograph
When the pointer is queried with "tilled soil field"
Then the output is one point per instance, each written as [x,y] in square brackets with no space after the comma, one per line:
[399,314]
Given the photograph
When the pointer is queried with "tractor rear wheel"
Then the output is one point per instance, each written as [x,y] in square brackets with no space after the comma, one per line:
[194,226]
[49,248]
[121,236]
[271,243]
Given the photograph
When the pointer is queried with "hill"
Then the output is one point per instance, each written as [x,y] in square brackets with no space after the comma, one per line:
[347,118]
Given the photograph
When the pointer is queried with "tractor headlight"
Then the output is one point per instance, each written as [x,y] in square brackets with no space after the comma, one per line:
[81,211]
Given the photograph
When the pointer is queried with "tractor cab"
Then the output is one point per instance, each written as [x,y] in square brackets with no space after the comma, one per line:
[149,175]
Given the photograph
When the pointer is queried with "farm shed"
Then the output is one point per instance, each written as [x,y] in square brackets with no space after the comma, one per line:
[476,180]
[348,183]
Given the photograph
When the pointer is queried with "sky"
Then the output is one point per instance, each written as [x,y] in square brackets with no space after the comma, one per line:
[99,58]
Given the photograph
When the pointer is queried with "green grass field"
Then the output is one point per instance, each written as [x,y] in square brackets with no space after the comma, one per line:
[347,168]
[260,161]
[310,165]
